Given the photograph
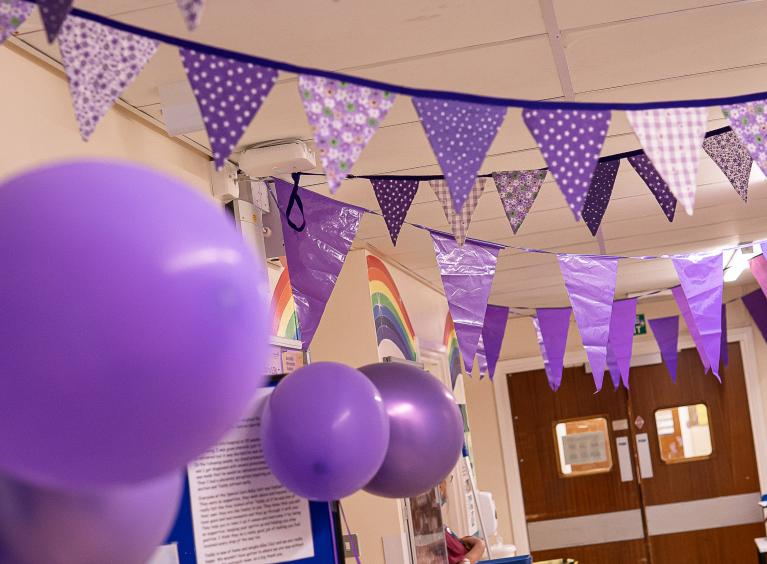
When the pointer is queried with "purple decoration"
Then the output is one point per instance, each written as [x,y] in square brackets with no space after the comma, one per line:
[756,304]
[551,325]
[613,368]
[493,331]
[460,134]
[53,14]
[13,13]
[621,338]
[666,333]
[467,276]
[459,222]
[689,320]
[518,190]
[747,121]
[645,169]
[481,359]
[701,277]
[192,12]
[724,355]
[590,282]
[570,142]
[229,94]
[758,267]
[394,197]
[316,254]
[732,158]
[599,194]
[426,430]
[100,62]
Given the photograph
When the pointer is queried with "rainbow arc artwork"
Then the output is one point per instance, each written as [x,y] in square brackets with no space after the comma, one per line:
[394,332]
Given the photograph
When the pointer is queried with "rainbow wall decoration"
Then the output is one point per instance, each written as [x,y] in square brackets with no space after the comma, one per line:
[450,340]
[284,318]
[394,331]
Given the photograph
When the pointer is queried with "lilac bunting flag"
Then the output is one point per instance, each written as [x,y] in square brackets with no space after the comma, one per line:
[756,304]
[518,190]
[192,12]
[100,62]
[53,14]
[732,158]
[724,354]
[551,325]
[493,331]
[460,134]
[655,183]
[570,142]
[758,266]
[599,194]
[621,339]
[229,94]
[344,117]
[666,333]
[394,197]
[672,138]
[689,320]
[748,122]
[13,13]
[459,222]
[613,368]
[316,255]
[590,282]
[467,276]
[701,277]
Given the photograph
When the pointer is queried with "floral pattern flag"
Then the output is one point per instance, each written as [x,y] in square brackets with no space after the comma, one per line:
[518,190]
[732,158]
[749,122]
[13,13]
[192,12]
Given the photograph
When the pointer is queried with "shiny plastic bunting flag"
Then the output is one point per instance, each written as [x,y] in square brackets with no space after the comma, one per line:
[613,369]
[655,183]
[13,13]
[460,135]
[100,62]
[672,138]
[394,197]
[518,190]
[724,354]
[570,142]
[459,222]
[666,333]
[192,12]
[493,331]
[53,14]
[481,359]
[732,158]
[756,304]
[599,194]
[551,325]
[692,327]
[621,339]
[758,266]
[229,94]
[748,122]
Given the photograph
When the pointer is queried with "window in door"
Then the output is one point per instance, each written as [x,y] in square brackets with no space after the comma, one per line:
[683,433]
[583,446]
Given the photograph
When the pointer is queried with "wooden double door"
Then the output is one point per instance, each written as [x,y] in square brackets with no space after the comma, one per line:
[662,473]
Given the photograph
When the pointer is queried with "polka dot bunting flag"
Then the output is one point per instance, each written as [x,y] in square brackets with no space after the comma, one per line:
[749,122]
[599,194]
[655,183]
[53,13]
[192,12]
[13,13]
[570,142]
[732,158]
[229,94]
[394,196]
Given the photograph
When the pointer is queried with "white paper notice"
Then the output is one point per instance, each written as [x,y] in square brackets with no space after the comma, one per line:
[166,554]
[584,448]
[240,512]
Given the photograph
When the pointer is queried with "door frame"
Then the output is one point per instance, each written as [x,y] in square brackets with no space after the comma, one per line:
[644,353]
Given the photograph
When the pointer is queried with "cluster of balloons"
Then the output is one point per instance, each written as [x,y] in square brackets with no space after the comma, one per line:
[391,429]
[134,332]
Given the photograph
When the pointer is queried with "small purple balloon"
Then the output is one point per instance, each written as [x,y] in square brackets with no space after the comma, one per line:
[124,525]
[426,430]
[324,431]
[133,325]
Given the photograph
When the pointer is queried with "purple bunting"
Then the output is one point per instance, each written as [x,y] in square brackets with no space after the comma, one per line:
[570,142]
[316,255]
[192,12]
[518,190]
[394,196]
[613,368]
[467,276]
[13,13]
[229,94]
[724,354]
[758,266]
[493,331]
[551,325]
[459,222]
[689,320]
[481,359]
[732,158]
[590,282]
[460,134]
[53,14]
[599,194]
[645,169]
[747,121]
[666,333]
[701,277]
[756,304]
[621,339]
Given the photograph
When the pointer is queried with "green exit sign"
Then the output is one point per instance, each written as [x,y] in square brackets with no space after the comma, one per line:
[640,325]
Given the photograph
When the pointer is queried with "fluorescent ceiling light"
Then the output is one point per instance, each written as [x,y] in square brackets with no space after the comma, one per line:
[736,261]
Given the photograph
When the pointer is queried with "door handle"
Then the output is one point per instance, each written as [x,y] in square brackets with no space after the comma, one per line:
[643,452]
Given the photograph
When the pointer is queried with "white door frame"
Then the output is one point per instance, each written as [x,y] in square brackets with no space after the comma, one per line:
[742,335]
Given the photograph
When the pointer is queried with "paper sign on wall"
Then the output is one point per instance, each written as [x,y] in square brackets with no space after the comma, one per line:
[584,448]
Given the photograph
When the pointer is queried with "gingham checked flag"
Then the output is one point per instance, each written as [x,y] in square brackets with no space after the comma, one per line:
[459,222]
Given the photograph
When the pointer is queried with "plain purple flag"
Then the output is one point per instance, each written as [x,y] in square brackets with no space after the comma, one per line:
[551,325]
[492,335]
[724,354]
[684,309]
[53,13]
[756,304]
[621,338]
[666,333]
[612,368]
[598,196]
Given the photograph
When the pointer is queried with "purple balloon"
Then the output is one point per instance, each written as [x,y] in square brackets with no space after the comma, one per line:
[124,525]
[133,325]
[426,430]
[324,431]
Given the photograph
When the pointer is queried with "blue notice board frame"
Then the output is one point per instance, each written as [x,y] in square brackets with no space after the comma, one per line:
[326,527]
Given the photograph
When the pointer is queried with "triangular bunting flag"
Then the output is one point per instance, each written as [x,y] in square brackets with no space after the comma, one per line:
[732,158]
[570,142]
[672,138]
[100,62]
[316,254]
[655,183]
[724,354]
[394,197]
[621,339]
[518,190]
[701,277]
[599,194]
[192,12]
[344,117]
[13,13]
[689,320]
[613,368]
[493,331]
[53,14]
[756,304]
[551,325]
[590,282]
[666,333]
[459,222]
[481,359]
[758,266]
[229,94]
[467,276]
[460,134]
[747,121]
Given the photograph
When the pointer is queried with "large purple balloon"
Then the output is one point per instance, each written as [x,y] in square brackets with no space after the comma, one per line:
[132,321]
[426,430]
[120,526]
[324,431]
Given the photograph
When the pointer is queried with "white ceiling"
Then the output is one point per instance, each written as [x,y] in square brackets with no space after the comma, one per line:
[608,50]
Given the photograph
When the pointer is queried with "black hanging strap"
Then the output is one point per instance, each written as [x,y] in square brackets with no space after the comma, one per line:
[295,199]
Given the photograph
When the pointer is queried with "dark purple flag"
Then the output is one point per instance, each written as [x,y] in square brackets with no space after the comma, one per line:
[725,354]
[758,266]
[570,142]
[492,335]
[732,158]
[394,197]
[316,254]
[53,14]
[551,325]
[655,183]
[460,135]
[599,194]
[229,94]
[689,320]
[621,338]
[756,304]
[666,333]
[612,367]
[467,276]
